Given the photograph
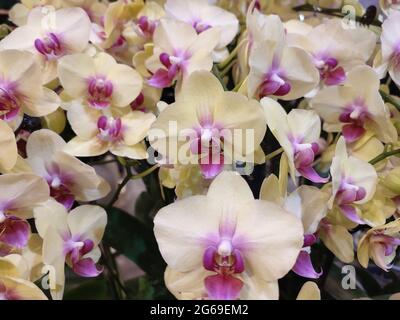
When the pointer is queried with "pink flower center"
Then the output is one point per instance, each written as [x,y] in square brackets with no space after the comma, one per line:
[49,46]
[174,64]
[275,82]
[200,26]
[59,184]
[100,90]
[110,129]
[208,144]
[9,104]
[224,257]
[388,243]
[330,72]
[7,293]
[137,104]
[147,26]
[354,117]
[304,155]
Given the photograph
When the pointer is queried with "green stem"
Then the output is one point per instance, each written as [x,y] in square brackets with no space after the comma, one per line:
[120,187]
[114,284]
[217,73]
[332,12]
[273,154]
[146,172]
[226,70]
[384,155]
[231,56]
[390,99]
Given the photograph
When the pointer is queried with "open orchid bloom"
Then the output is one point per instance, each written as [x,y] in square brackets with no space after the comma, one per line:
[298,133]
[380,244]
[14,284]
[218,124]
[203,16]
[100,81]
[21,89]
[71,238]
[179,51]
[389,57]
[51,34]
[8,147]
[278,70]
[98,133]
[69,179]
[334,49]
[308,204]
[353,182]
[215,236]
[355,107]
[20,194]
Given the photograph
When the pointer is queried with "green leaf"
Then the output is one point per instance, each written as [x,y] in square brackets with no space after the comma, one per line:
[135,240]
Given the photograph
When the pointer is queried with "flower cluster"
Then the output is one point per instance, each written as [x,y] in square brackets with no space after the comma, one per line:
[266,134]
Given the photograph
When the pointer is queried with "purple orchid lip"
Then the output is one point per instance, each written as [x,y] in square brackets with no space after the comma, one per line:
[200,26]
[49,46]
[330,72]
[147,26]
[9,104]
[110,129]
[304,267]
[354,117]
[174,64]
[223,287]
[14,232]
[275,82]
[7,293]
[100,91]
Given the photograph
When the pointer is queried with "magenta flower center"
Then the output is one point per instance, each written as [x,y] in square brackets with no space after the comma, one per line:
[7,293]
[49,46]
[147,26]
[110,129]
[200,26]
[354,117]
[330,71]
[9,104]
[275,82]
[100,91]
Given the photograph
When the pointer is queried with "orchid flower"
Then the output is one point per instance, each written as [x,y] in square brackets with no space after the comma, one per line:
[212,119]
[14,284]
[380,244]
[69,179]
[353,182]
[51,34]
[8,147]
[20,194]
[179,51]
[203,16]
[308,204]
[21,89]
[355,107]
[298,133]
[227,245]
[100,81]
[71,238]
[98,133]
[277,70]
[334,49]
[388,59]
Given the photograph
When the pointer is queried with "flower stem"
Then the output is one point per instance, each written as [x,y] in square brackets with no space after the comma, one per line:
[273,154]
[146,172]
[217,73]
[231,56]
[384,155]
[390,99]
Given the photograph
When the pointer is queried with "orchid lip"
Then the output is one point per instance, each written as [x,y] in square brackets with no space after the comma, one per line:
[49,46]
